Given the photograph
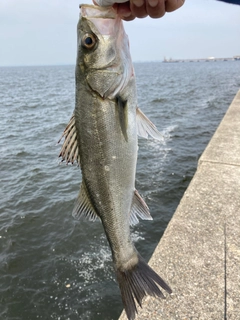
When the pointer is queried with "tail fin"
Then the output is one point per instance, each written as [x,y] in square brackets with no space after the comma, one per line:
[138,282]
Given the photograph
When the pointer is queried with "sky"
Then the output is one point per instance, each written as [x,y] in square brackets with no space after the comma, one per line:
[43,32]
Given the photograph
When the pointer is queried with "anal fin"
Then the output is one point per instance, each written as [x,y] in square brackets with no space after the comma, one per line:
[139,209]
[83,207]
[145,127]
[69,150]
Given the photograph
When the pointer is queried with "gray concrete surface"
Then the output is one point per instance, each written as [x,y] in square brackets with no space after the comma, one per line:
[199,253]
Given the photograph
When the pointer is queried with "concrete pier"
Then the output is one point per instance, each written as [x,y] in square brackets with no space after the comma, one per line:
[199,253]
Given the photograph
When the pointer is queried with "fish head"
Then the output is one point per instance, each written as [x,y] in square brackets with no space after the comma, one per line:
[103,50]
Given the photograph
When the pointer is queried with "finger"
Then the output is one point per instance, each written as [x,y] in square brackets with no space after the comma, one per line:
[155,8]
[172,5]
[124,11]
[138,8]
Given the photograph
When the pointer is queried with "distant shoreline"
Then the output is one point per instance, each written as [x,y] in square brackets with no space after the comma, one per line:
[209,59]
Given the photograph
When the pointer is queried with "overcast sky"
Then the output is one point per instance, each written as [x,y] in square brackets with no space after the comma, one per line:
[43,32]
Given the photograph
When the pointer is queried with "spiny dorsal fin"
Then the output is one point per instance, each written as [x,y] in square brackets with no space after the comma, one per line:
[83,207]
[139,209]
[123,119]
[69,150]
[145,127]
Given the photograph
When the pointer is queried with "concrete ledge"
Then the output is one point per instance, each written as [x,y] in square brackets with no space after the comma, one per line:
[224,146]
[199,253]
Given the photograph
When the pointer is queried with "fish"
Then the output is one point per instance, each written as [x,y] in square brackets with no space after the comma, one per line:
[102,137]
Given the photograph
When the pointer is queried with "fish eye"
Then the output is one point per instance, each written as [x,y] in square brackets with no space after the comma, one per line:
[88,41]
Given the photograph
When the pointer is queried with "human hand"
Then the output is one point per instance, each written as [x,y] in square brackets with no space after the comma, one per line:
[142,8]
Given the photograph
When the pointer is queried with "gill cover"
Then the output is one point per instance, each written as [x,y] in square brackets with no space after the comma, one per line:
[104,46]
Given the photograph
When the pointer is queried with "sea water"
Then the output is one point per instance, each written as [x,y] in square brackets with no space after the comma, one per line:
[52,266]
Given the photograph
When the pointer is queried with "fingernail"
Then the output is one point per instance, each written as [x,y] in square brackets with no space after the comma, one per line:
[153,3]
[126,14]
[138,3]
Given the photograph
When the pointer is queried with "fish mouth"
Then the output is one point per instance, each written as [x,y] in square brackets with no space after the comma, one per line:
[91,11]
[105,19]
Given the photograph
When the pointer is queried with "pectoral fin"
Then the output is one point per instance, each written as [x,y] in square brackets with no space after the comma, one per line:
[83,207]
[123,118]
[139,209]
[145,127]
[69,150]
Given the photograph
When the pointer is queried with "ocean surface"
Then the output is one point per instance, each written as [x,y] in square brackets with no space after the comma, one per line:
[52,266]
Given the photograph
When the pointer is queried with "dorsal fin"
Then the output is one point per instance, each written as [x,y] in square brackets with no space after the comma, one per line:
[145,127]
[69,150]
[83,207]
[139,209]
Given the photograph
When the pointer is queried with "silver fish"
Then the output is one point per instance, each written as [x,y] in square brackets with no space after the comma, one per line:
[102,137]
